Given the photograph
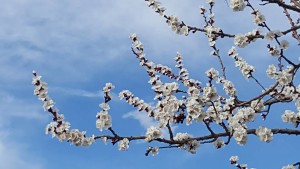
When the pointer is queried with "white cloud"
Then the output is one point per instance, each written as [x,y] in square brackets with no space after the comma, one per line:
[142,117]
[14,155]
[76,92]
[13,150]
[72,36]
[12,108]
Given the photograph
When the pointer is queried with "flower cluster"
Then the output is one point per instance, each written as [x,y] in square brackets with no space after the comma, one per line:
[165,110]
[181,98]
[58,128]
[191,145]
[123,144]
[264,134]
[291,117]
[152,150]
[282,77]
[210,93]
[150,67]
[183,72]
[219,143]
[244,67]
[194,108]
[237,5]
[271,35]
[212,34]
[153,133]
[240,135]
[257,105]
[273,50]
[234,159]
[136,43]
[212,73]
[155,5]
[176,25]
[258,17]
[103,118]
[135,101]
[228,86]
[237,124]
[242,40]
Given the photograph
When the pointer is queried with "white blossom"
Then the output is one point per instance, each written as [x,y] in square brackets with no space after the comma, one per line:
[104,106]
[246,114]
[177,26]
[123,144]
[273,34]
[193,91]
[212,73]
[153,133]
[237,5]
[285,77]
[257,105]
[212,34]
[137,44]
[264,134]
[258,17]
[273,51]
[153,150]
[291,117]
[108,87]
[184,30]
[240,135]
[133,36]
[169,88]
[219,143]
[194,109]
[190,146]
[124,93]
[210,92]
[288,167]
[271,71]
[244,67]
[229,88]
[103,120]
[155,5]
[234,159]
[241,40]
[48,104]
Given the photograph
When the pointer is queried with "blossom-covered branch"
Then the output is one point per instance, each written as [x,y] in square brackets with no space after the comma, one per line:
[214,104]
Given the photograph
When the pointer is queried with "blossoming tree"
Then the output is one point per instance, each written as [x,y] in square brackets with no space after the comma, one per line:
[214,103]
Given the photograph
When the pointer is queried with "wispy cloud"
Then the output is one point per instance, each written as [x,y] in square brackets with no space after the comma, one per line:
[82,93]
[35,34]
[76,92]
[147,122]
[14,155]
[16,112]
[12,108]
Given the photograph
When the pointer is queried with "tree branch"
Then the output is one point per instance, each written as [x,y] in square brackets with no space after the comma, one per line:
[281,4]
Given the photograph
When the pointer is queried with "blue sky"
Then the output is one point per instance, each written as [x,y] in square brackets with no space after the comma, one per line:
[78,46]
